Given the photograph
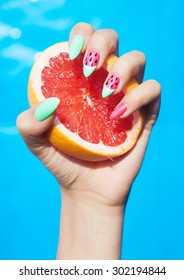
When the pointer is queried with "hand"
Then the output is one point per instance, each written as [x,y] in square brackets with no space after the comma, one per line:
[97,186]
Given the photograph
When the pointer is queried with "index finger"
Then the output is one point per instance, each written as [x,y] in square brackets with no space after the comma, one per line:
[78,38]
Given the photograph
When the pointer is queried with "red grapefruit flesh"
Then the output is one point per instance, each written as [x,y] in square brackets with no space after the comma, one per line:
[82,109]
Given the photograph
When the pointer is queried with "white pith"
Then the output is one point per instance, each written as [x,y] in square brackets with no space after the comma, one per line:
[36,83]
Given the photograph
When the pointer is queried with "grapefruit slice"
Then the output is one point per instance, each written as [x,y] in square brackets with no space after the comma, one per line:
[82,127]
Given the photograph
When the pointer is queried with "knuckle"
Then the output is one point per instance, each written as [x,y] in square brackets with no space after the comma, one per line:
[20,123]
[86,27]
[128,65]
[156,86]
[132,62]
[99,36]
[113,34]
[140,55]
[116,39]
[106,36]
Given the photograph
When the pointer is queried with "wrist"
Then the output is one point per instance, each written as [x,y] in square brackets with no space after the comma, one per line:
[89,228]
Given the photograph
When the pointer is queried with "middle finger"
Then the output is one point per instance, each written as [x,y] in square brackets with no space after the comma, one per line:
[100,45]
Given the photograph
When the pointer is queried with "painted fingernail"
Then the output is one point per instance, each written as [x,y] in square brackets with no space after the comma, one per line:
[46,108]
[110,85]
[119,111]
[90,62]
[76,46]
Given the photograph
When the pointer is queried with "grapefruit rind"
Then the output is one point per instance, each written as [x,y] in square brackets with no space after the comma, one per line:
[67,141]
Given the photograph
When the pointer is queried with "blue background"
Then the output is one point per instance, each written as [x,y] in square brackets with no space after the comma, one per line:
[29,195]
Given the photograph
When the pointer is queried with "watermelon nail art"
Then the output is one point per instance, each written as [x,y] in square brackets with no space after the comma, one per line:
[110,85]
[90,62]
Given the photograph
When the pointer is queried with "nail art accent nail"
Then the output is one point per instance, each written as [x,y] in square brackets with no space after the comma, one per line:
[46,108]
[110,85]
[76,46]
[118,111]
[90,62]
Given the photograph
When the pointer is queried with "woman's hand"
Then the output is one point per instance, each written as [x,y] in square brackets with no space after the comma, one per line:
[94,193]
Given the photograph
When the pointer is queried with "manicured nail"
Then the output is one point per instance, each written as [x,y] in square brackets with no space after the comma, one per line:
[46,108]
[119,111]
[110,85]
[90,62]
[76,46]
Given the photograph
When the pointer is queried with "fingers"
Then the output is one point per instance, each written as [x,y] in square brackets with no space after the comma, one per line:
[33,123]
[126,73]
[127,66]
[96,45]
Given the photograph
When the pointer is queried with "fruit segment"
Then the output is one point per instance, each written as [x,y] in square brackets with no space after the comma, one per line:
[90,62]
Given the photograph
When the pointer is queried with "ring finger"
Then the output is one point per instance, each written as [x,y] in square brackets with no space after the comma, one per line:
[126,67]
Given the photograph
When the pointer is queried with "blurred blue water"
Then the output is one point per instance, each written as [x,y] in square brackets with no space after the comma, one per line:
[29,195]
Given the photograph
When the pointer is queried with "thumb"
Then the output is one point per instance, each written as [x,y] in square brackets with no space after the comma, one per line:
[35,122]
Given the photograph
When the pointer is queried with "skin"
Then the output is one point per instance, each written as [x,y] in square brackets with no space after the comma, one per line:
[94,194]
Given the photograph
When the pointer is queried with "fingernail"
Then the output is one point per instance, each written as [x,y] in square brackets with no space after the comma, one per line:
[110,85]
[90,62]
[119,111]
[76,46]
[46,108]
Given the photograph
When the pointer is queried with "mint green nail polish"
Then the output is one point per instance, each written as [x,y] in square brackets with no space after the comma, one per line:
[76,46]
[88,70]
[46,108]
[106,92]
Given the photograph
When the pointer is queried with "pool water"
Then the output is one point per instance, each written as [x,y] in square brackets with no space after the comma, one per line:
[29,195]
